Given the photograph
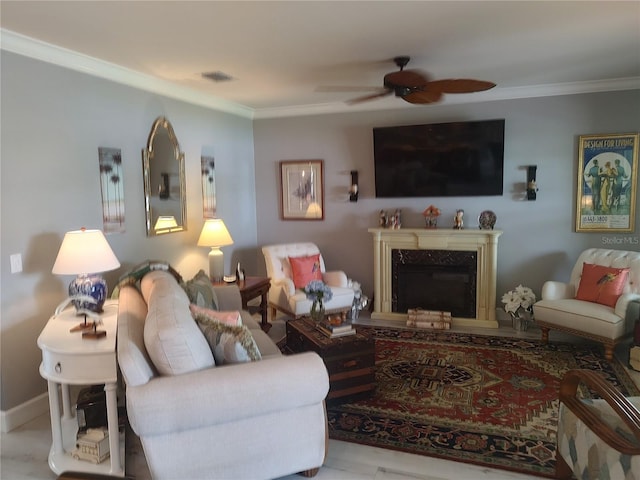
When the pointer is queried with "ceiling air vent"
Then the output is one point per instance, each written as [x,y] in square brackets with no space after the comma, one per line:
[217,76]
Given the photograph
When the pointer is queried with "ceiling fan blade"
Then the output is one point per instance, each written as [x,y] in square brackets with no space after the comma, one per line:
[460,85]
[370,97]
[406,78]
[423,97]
[348,88]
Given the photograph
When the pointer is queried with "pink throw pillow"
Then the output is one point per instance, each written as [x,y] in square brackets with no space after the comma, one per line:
[305,269]
[601,284]
[231,318]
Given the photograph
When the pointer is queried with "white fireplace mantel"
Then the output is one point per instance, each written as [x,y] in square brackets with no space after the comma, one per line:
[484,242]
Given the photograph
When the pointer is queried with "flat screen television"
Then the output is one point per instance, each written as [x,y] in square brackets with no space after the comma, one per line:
[458,159]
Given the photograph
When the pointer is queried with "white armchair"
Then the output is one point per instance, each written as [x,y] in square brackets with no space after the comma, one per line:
[283,294]
[560,310]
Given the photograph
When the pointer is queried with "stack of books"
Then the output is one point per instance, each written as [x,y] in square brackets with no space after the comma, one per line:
[333,329]
[435,319]
[634,357]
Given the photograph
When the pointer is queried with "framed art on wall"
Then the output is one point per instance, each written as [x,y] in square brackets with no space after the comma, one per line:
[302,189]
[208,171]
[111,185]
[607,183]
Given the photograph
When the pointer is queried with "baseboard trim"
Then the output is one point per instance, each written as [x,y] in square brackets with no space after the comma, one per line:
[23,413]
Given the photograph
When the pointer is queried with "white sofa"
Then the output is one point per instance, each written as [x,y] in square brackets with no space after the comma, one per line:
[283,294]
[257,420]
[560,310]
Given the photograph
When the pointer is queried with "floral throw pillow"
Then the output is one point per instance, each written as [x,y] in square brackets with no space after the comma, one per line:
[601,284]
[229,344]
[305,269]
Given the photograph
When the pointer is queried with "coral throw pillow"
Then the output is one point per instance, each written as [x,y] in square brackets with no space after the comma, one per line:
[601,284]
[305,269]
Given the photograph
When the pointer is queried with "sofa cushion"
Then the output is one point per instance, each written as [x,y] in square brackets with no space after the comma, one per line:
[173,340]
[601,284]
[304,269]
[229,344]
[200,291]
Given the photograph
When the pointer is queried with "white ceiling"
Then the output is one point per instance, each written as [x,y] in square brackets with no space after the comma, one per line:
[279,53]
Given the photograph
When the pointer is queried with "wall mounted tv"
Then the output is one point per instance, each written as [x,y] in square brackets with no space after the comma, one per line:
[458,159]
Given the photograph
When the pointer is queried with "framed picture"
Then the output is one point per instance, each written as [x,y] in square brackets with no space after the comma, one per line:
[607,183]
[111,185]
[302,189]
[208,171]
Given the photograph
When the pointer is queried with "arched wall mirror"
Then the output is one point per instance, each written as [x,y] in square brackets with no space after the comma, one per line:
[164,181]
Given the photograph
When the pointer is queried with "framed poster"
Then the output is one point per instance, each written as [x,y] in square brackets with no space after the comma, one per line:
[302,189]
[607,183]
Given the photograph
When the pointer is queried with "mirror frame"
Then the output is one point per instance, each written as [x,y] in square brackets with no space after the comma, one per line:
[147,157]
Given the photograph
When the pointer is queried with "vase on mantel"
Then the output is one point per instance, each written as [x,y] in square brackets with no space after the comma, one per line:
[521,320]
[317,311]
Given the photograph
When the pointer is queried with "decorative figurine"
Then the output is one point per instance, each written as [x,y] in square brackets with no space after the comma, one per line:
[397,221]
[458,223]
[431,215]
[383,219]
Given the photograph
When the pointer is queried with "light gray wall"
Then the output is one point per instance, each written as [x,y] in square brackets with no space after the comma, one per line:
[539,241]
[53,121]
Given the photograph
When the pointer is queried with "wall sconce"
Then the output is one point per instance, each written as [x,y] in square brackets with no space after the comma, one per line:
[353,189]
[532,187]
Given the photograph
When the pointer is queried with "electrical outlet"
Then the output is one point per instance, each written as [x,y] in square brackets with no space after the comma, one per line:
[16,263]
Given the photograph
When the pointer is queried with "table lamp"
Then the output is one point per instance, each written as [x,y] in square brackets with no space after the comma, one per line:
[86,253]
[215,235]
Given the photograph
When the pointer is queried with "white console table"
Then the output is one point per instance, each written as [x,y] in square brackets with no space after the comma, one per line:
[68,359]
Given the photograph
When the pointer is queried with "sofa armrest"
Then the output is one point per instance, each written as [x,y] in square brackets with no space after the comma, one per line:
[220,395]
[625,410]
[228,297]
[557,290]
[335,278]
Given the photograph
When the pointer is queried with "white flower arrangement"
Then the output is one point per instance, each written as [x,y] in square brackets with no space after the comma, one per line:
[517,299]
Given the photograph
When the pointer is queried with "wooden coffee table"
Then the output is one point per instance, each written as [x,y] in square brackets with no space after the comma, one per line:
[350,360]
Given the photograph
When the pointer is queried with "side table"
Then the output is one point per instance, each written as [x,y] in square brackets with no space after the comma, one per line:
[253,287]
[68,359]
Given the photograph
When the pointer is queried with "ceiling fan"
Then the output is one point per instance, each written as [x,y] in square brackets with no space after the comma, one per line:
[414,86]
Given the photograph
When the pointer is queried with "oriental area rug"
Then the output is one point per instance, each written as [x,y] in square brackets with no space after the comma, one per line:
[486,400]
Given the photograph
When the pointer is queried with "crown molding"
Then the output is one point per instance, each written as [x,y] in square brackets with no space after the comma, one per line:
[29,47]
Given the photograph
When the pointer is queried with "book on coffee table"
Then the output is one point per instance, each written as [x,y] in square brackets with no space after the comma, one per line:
[335,332]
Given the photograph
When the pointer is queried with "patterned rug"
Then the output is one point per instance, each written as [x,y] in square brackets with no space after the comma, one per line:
[490,401]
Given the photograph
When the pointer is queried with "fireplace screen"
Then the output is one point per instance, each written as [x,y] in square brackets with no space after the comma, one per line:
[434,280]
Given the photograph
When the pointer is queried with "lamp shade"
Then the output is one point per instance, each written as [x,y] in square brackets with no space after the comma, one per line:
[165,222]
[314,210]
[84,251]
[214,234]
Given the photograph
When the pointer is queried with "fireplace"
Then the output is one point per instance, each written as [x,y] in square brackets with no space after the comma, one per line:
[436,269]
[434,280]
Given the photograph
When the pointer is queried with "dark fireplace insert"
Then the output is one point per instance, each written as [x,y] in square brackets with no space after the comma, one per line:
[434,280]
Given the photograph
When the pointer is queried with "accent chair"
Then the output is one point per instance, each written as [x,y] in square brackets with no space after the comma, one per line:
[286,296]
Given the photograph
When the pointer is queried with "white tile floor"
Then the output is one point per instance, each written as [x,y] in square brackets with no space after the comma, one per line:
[24,450]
